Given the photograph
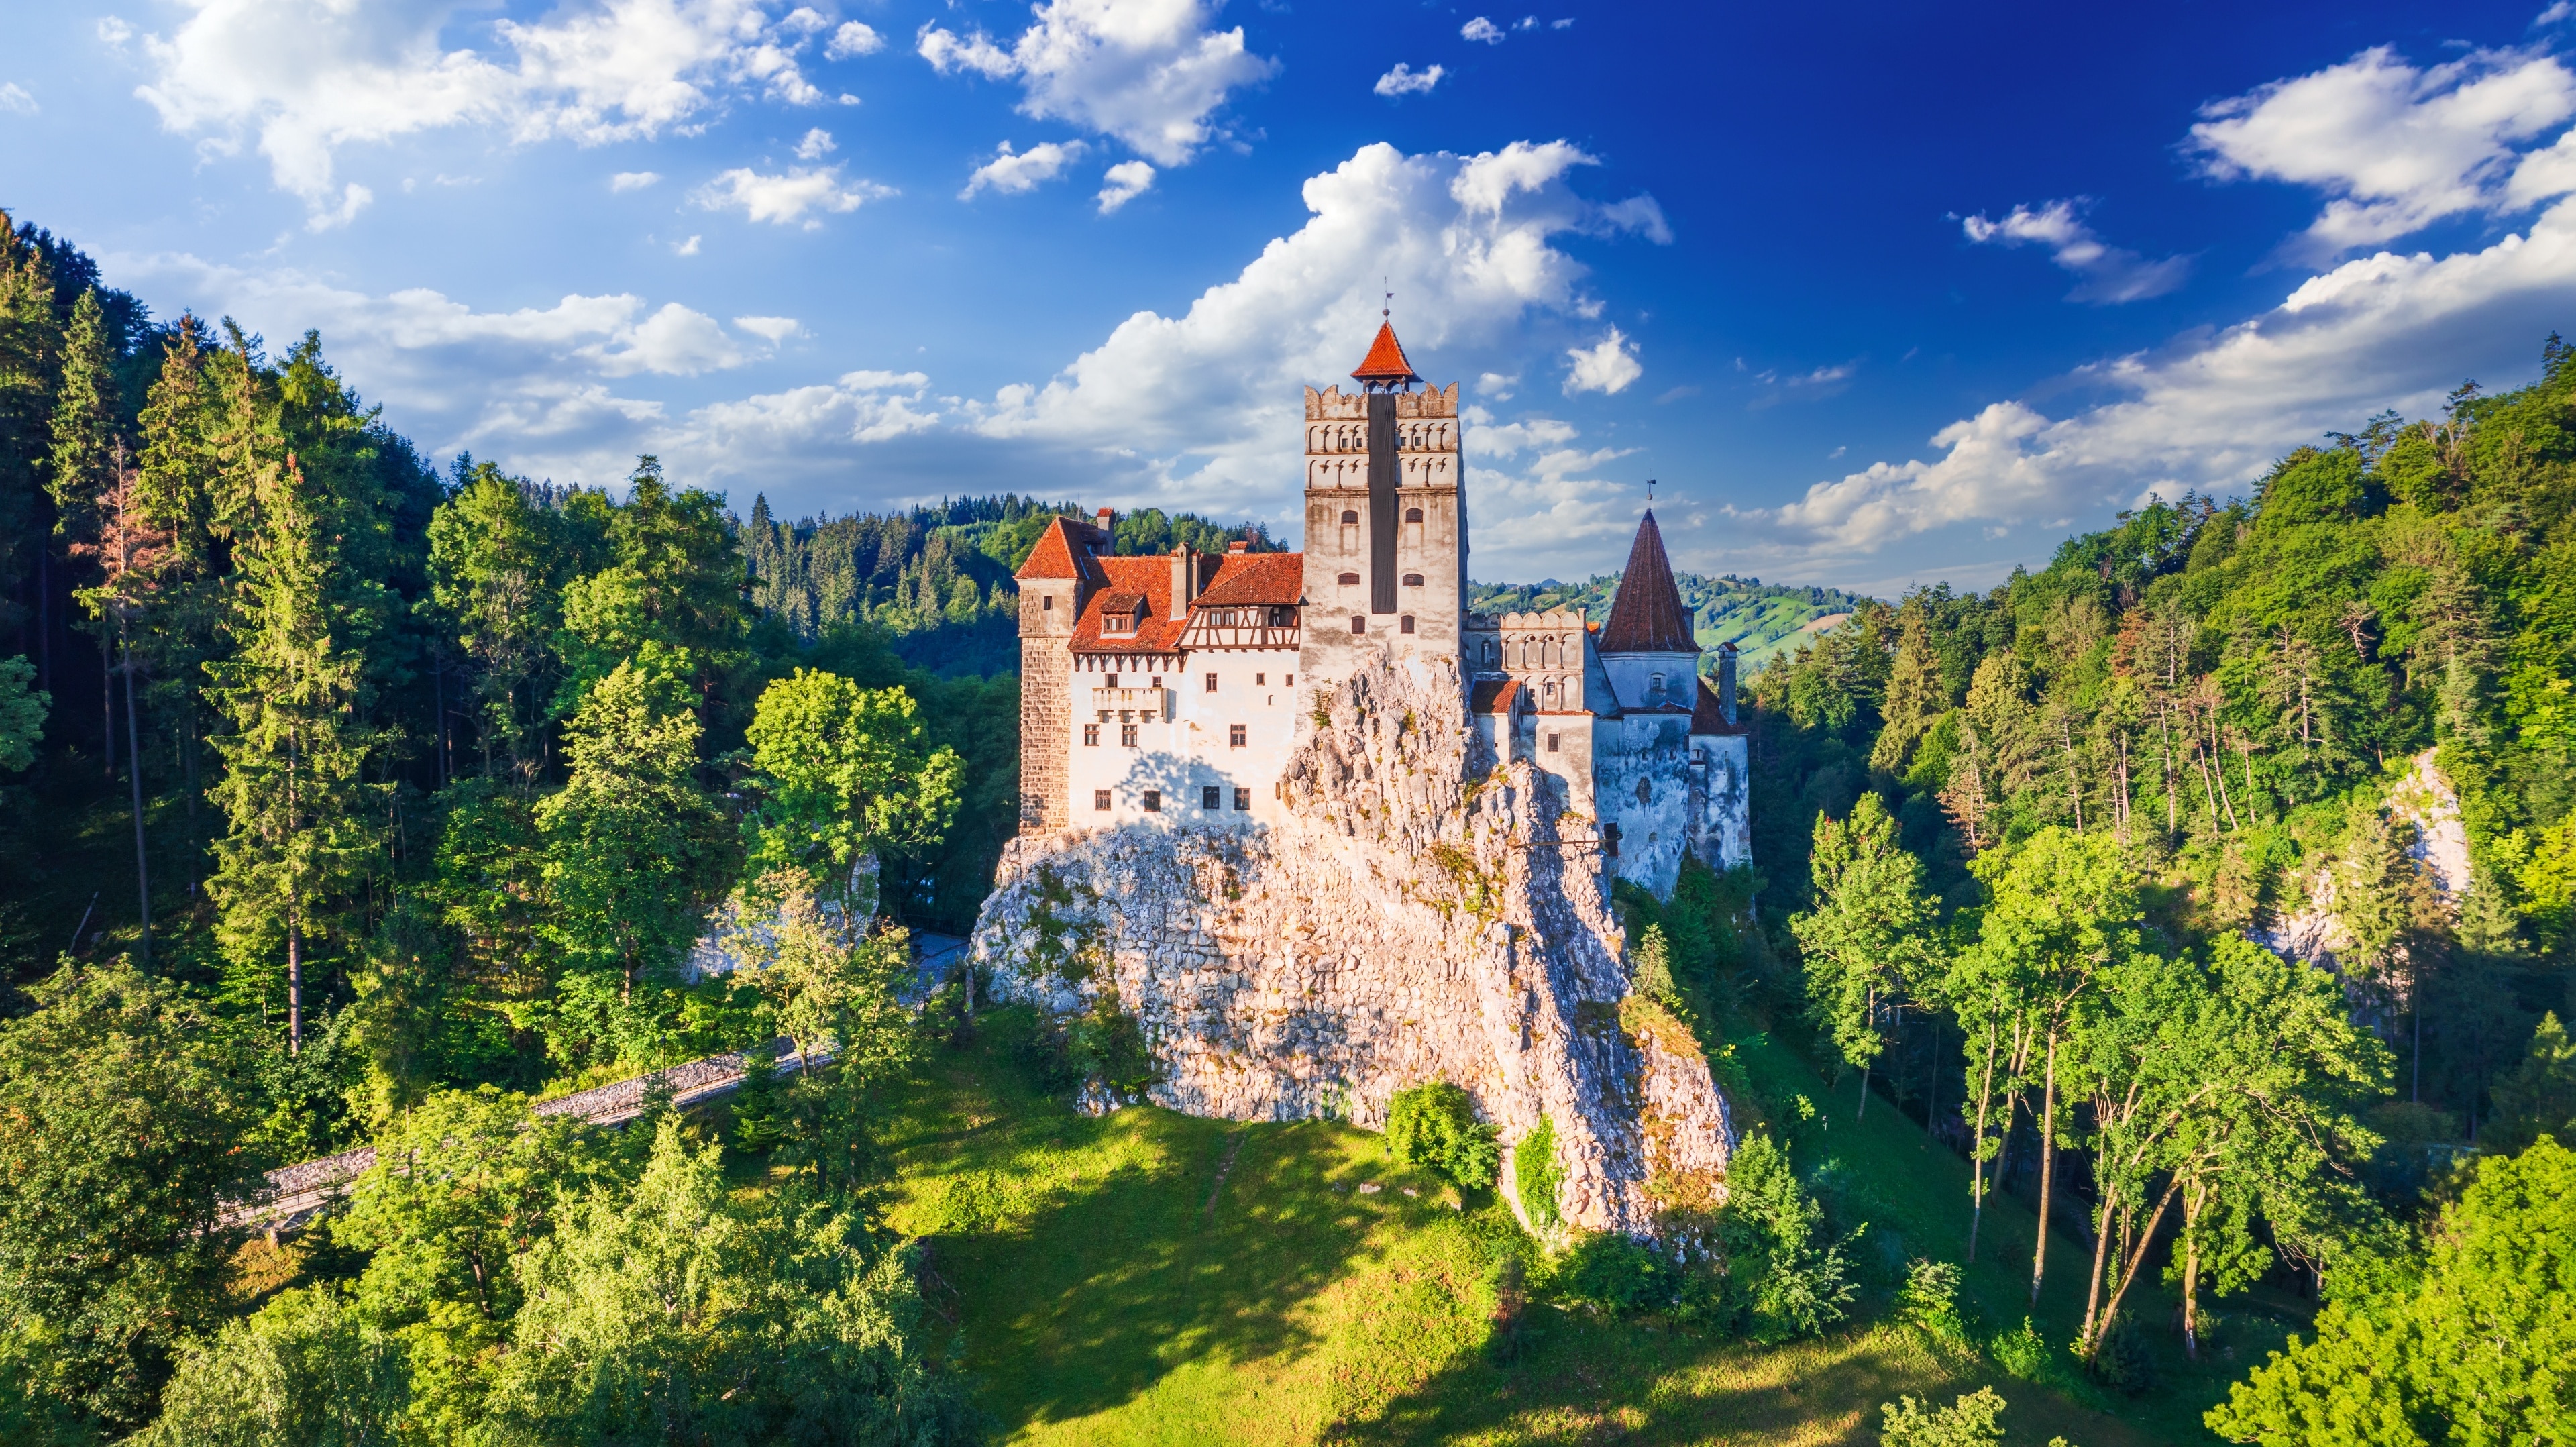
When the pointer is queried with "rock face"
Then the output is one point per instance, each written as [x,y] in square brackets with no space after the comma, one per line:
[1420,915]
[2424,798]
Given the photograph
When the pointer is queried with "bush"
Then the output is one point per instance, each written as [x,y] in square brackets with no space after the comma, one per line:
[1613,1274]
[1975,1420]
[1435,1125]
[2023,1353]
[1930,1299]
[2123,1361]
[1536,1174]
[1772,1233]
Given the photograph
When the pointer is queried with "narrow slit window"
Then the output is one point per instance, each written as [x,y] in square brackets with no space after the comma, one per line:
[1551,743]
[1211,682]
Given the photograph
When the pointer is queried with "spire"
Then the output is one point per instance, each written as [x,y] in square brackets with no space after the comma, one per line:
[1648,616]
[1386,365]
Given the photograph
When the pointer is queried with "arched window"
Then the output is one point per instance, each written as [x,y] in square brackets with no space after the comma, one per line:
[1348,516]
[1413,514]
[1349,580]
[1413,580]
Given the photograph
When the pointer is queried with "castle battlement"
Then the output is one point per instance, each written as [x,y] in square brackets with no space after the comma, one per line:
[1172,689]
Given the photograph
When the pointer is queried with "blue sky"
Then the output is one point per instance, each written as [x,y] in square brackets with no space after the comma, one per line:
[1881,295]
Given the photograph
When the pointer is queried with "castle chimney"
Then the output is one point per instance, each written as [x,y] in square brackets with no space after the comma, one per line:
[1726,682]
[1106,518]
[1239,545]
[1185,579]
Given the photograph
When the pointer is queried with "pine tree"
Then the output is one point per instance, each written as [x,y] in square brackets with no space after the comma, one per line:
[131,556]
[291,787]
[30,339]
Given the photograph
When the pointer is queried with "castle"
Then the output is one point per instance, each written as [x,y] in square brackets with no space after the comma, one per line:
[1171,690]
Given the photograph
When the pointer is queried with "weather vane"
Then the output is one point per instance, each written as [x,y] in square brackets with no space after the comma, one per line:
[1387,312]
[1650,492]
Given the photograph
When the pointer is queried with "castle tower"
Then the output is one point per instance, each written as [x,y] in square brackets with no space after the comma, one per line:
[1647,647]
[1055,584]
[1386,518]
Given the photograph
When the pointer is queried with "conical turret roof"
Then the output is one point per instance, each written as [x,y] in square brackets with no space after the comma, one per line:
[1648,616]
[1386,362]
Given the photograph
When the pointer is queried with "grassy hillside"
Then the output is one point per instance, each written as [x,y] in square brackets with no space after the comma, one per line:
[1149,1277]
[1763,620]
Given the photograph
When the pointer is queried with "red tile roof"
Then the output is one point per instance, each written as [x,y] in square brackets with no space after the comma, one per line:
[1648,616]
[1254,579]
[1063,551]
[1495,695]
[1150,578]
[1386,361]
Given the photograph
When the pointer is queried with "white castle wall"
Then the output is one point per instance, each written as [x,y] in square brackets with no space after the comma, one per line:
[1183,739]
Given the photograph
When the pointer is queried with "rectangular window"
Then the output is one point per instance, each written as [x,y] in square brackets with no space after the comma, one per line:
[1235,735]
[1257,678]
[1408,623]
[1127,735]
[1100,799]
[1358,624]
[1046,604]
[1551,742]
[1288,681]
[1153,801]
[1211,683]
[1113,681]
[1157,683]
[1207,797]
[1242,800]
[1091,736]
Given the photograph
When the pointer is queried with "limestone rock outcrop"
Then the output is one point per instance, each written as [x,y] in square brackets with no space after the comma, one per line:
[1420,915]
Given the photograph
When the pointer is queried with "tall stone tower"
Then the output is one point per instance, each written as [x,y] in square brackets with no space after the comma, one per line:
[1386,518]
[1055,584]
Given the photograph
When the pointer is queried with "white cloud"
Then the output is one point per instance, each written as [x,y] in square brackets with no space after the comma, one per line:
[1207,402]
[14,97]
[1123,183]
[2110,274]
[1013,172]
[816,145]
[633,180]
[354,198]
[774,330]
[853,38]
[1608,366]
[114,33]
[1405,80]
[1496,386]
[675,342]
[311,77]
[1566,24]
[785,200]
[1482,29]
[1148,72]
[688,247]
[2395,148]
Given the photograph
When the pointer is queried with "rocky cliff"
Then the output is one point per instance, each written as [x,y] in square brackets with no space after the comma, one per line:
[1415,915]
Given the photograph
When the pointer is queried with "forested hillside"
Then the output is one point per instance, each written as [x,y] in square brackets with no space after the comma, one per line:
[1763,620]
[2011,851]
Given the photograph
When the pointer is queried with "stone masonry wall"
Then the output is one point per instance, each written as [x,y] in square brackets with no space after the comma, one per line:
[1415,916]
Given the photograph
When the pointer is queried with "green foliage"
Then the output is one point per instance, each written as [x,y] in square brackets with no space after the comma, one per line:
[22,714]
[1434,1124]
[2473,1350]
[1867,943]
[1798,1280]
[844,772]
[1762,620]
[2539,1098]
[1974,1420]
[303,1368]
[1930,1299]
[1537,1173]
[122,1122]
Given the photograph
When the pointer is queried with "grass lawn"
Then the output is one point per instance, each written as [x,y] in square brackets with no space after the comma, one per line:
[1149,1277]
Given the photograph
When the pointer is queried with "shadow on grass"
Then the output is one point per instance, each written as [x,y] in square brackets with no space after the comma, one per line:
[1079,1256]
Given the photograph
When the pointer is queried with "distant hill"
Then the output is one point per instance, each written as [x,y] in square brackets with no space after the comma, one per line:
[937,579]
[1763,620]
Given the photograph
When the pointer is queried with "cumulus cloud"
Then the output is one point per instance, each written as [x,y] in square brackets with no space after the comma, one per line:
[1149,72]
[773,330]
[633,180]
[788,199]
[14,97]
[1484,30]
[1405,80]
[2110,274]
[1607,366]
[853,38]
[311,77]
[2396,148]
[1123,183]
[1014,172]
[816,145]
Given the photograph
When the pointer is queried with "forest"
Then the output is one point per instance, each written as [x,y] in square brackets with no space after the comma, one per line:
[350,800]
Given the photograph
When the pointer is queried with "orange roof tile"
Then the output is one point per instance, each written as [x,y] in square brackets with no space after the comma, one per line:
[1152,579]
[1386,361]
[1063,551]
[1495,695]
[1253,579]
